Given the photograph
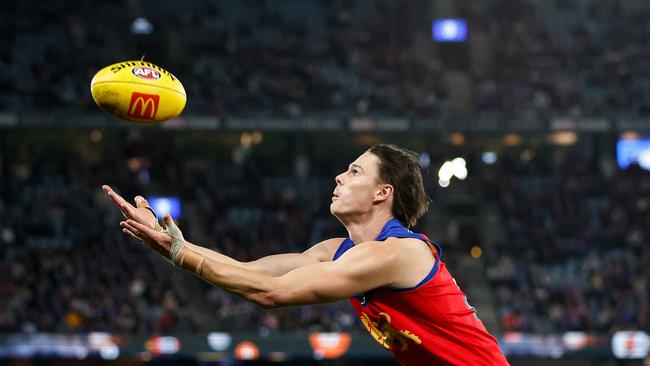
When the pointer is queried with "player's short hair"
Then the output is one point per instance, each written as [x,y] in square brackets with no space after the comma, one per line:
[401,169]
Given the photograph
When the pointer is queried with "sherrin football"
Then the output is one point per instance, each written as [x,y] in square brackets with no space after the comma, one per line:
[138,91]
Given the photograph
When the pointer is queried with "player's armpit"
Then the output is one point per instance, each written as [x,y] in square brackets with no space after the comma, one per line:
[324,251]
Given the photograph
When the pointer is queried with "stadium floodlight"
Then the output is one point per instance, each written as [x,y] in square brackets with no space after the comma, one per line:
[452,168]
[633,151]
[165,205]
[489,157]
[449,30]
[141,26]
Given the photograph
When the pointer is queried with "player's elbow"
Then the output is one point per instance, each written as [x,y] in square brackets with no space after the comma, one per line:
[267,300]
[277,294]
[279,297]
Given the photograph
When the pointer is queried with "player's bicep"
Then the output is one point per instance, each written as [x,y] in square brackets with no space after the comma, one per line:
[361,269]
[324,251]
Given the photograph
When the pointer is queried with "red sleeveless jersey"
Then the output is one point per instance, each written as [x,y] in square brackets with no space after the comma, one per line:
[429,324]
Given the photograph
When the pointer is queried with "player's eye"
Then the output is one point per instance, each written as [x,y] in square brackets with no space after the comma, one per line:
[354,172]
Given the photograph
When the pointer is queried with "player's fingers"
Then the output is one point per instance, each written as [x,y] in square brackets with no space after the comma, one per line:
[172,228]
[133,229]
[143,230]
[136,233]
[119,201]
[140,202]
[128,210]
[131,234]
[111,193]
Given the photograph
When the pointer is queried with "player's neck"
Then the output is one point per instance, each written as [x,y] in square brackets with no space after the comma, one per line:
[366,228]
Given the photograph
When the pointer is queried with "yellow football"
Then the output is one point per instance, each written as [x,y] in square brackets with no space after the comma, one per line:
[138,91]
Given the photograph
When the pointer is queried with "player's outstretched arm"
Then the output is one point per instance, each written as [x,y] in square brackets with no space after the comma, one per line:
[364,267]
[279,264]
[274,265]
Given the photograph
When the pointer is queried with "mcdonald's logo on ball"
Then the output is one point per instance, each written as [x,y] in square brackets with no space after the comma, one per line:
[143,106]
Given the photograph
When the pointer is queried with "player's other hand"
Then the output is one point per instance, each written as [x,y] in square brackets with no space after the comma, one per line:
[141,213]
[141,222]
[160,241]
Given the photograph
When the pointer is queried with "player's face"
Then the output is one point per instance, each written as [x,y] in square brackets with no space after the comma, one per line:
[356,187]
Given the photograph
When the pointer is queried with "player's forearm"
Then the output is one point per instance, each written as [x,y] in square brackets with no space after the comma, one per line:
[279,264]
[214,255]
[251,285]
[311,284]
[272,265]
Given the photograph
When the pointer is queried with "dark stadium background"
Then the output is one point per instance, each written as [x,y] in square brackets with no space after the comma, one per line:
[547,102]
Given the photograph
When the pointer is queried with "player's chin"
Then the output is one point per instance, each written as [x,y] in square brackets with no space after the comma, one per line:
[334,208]
[336,214]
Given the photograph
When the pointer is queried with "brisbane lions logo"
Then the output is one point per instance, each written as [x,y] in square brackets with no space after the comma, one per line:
[383,332]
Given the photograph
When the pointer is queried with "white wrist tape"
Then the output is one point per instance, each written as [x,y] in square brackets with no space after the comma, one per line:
[178,250]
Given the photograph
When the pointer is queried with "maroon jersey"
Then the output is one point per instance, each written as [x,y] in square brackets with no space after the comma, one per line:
[429,324]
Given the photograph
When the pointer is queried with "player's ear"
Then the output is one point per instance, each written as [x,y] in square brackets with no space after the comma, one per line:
[384,191]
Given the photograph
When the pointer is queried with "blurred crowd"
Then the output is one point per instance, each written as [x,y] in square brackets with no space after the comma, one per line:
[584,59]
[67,267]
[576,256]
[296,58]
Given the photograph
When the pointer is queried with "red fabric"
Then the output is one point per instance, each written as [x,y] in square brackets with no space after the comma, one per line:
[429,325]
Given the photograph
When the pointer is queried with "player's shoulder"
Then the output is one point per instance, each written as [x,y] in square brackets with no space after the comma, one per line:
[404,247]
[405,243]
[407,260]
[392,243]
[325,250]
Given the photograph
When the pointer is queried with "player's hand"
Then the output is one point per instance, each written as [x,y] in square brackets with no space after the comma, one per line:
[168,242]
[141,213]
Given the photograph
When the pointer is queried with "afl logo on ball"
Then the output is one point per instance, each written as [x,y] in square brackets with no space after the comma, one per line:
[144,72]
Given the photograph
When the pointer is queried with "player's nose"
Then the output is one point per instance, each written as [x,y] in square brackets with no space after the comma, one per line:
[339,179]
